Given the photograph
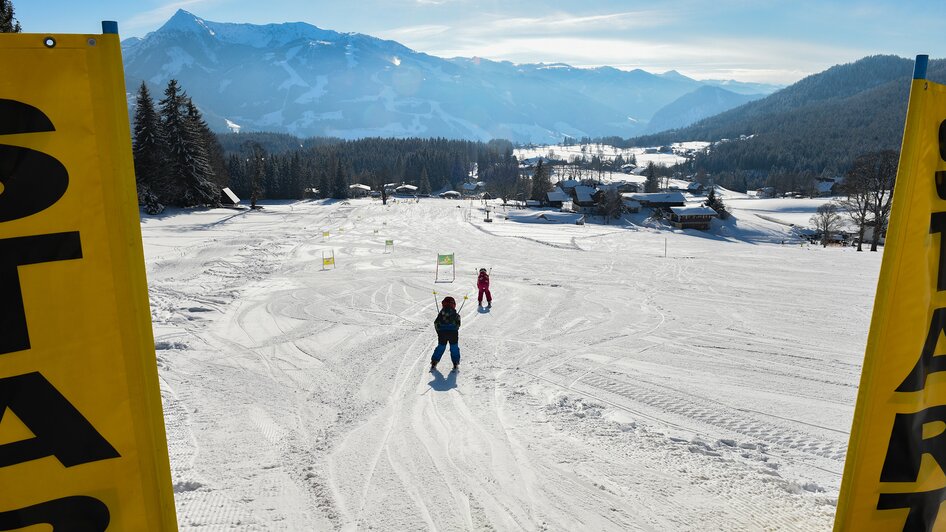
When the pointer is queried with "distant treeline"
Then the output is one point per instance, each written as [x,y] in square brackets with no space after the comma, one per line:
[291,168]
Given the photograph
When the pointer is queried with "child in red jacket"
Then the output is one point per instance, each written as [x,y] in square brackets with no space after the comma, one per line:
[482,282]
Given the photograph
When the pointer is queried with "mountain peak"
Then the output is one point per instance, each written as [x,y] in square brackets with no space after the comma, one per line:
[254,35]
[183,21]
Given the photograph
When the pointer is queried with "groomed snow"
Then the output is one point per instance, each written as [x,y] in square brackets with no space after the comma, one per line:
[626,378]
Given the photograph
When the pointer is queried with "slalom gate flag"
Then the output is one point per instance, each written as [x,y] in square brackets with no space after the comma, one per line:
[894,474]
[324,234]
[388,242]
[445,260]
[82,442]
[328,261]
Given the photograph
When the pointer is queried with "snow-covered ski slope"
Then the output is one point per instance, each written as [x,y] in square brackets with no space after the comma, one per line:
[610,387]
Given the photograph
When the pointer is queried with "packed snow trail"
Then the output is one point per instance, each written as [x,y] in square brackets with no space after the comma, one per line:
[609,387]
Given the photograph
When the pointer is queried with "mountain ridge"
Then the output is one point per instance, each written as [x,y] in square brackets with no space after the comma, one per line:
[301,79]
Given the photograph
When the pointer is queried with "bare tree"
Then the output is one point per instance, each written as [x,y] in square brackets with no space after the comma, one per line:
[883,171]
[827,220]
[857,202]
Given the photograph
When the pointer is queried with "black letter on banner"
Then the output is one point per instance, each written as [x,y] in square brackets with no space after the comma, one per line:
[20,251]
[938,225]
[923,507]
[907,446]
[927,363]
[18,117]
[941,175]
[69,514]
[32,180]
[59,429]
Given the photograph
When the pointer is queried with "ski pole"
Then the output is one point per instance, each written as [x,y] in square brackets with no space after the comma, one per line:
[436,304]
[464,303]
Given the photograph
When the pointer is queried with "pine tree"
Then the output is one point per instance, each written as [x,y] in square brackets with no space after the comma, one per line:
[198,176]
[339,181]
[541,183]
[189,175]
[8,23]
[424,185]
[147,150]
[653,182]
[215,158]
[716,203]
[174,154]
[236,171]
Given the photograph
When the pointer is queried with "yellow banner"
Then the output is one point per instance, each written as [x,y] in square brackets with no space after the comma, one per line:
[328,261]
[893,476]
[324,234]
[445,260]
[82,441]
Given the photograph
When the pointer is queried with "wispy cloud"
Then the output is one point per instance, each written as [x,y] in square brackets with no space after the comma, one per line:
[741,59]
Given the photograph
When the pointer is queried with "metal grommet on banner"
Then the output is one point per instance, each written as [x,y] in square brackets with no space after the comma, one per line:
[49,42]
[91,42]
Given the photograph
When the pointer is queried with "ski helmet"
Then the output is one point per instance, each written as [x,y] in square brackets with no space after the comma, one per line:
[449,302]
[482,270]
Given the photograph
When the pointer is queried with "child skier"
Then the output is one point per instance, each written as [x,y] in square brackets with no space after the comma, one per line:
[482,282]
[447,326]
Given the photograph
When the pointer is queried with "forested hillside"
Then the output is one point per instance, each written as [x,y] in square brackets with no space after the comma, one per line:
[818,125]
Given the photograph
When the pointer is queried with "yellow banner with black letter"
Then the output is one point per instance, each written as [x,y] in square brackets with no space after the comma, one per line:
[82,442]
[894,473]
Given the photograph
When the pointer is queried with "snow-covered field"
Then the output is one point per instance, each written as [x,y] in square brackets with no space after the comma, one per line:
[626,378]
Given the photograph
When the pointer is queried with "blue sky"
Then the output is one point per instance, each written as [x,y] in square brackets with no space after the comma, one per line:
[778,41]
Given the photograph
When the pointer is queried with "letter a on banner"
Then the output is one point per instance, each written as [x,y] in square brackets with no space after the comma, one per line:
[82,442]
[894,473]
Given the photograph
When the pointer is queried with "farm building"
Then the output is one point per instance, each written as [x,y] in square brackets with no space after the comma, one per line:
[657,200]
[692,217]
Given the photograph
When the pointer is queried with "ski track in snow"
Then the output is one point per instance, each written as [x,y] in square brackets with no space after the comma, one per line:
[609,387]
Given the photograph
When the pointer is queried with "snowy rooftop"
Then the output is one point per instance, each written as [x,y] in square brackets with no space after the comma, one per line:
[585,193]
[693,211]
[656,197]
[558,195]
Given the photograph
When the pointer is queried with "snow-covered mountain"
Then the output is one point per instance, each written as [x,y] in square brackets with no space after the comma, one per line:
[692,107]
[300,79]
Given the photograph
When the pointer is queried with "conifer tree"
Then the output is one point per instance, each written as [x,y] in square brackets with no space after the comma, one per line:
[198,175]
[714,202]
[147,150]
[174,142]
[653,182]
[423,186]
[215,158]
[339,181]
[541,183]
[189,175]
[8,23]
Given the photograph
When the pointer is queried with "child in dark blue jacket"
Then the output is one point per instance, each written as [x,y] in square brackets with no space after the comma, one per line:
[447,326]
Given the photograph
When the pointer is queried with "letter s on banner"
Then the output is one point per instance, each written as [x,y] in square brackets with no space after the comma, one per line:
[82,443]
